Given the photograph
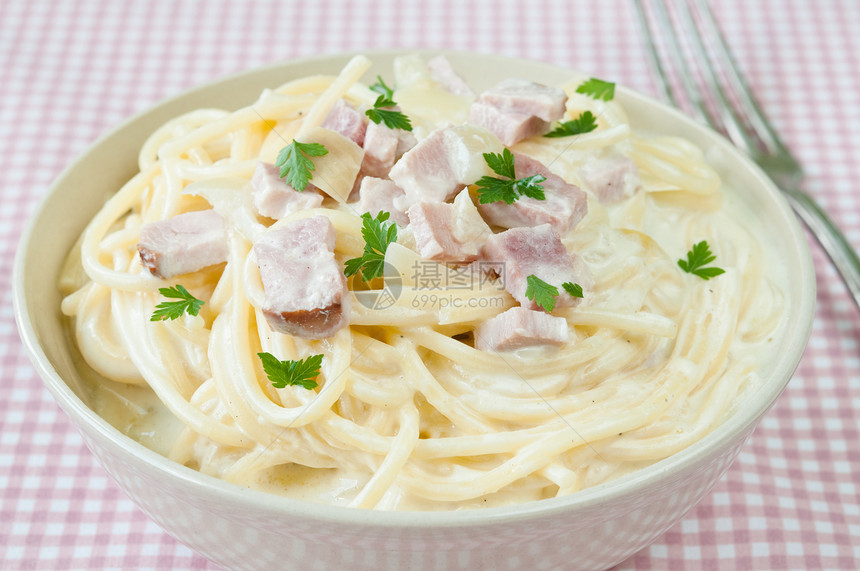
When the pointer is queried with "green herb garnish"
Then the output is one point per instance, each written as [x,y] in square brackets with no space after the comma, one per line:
[377,234]
[542,293]
[174,309]
[597,89]
[585,123]
[297,373]
[295,165]
[381,112]
[510,188]
[381,88]
[699,256]
[573,289]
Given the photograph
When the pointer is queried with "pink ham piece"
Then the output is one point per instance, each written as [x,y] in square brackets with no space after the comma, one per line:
[611,179]
[431,226]
[443,163]
[443,73]
[521,252]
[274,198]
[425,173]
[379,194]
[519,327]
[305,290]
[565,204]
[346,120]
[516,109]
[448,232]
[383,146]
[523,97]
[510,128]
[185,243]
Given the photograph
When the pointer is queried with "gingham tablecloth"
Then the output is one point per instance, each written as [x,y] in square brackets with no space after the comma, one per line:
[72,69]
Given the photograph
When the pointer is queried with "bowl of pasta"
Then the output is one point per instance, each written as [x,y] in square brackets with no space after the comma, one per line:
[414,309]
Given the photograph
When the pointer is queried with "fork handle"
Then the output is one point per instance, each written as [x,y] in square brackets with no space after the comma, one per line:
[832,240]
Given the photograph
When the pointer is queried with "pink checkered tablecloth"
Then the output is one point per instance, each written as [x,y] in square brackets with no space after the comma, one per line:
[72,69]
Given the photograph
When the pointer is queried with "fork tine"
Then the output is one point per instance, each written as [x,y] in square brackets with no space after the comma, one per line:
[725,116]
[743,119]
[654,56]
[731,122]
[753,112]
[692,93]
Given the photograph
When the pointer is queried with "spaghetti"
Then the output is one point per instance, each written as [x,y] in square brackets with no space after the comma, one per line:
[408,413]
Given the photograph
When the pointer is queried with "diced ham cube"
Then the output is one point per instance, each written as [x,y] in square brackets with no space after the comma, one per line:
[443,163]
[523,97]
[274,198]
[443,73]
[521,252]
[516,109]
[431,227]
[425,172]
[510,128]
[346,120]
[185,243]
[611,179]
[448,232]
[380,147]
[379,194]
[519,327]
[383,146]
[305,290]
[564,205]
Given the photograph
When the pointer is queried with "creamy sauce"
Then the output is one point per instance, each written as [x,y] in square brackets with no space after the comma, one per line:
[618,243]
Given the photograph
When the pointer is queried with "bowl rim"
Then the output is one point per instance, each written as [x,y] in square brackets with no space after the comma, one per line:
[744,417]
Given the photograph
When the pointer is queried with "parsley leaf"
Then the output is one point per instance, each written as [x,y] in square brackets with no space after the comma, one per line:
[295,165]
[542,293]
[492,189]
[699,256]
[585,123]
[573,289]
[597,89]
[174,309]
[377,234]
[381,114]
[299,373]
[501,163]
[381,88]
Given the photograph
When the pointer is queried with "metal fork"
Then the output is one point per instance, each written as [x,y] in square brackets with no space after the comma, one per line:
[717,93]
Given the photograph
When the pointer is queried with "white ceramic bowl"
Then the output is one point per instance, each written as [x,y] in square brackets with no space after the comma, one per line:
[244,529]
